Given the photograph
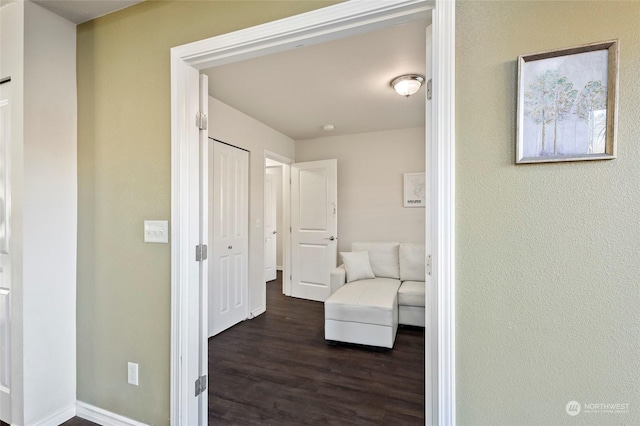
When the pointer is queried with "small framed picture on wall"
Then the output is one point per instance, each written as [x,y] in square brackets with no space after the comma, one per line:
[414,190]
[567,104]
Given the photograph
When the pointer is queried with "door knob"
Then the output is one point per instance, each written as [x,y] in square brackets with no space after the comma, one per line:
[331,238]
[230,247]
[275,232]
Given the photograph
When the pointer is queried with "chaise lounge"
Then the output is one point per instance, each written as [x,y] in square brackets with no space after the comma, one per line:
[379,286]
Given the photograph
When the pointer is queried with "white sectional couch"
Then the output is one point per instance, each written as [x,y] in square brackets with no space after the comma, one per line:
[379,286]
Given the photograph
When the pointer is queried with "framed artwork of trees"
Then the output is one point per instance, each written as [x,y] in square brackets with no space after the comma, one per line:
[567,104]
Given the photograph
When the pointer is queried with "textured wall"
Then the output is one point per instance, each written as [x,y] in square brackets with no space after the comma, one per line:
[548,255]
[370,182]
[124,178]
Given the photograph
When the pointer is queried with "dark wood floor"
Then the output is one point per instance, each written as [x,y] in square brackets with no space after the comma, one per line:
[76,421]
[277,370]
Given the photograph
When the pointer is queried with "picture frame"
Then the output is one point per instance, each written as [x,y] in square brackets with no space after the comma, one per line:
[567,104]
[414,190]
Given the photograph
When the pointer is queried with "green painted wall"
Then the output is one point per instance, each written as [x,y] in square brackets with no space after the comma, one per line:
[124,178]
[548,255]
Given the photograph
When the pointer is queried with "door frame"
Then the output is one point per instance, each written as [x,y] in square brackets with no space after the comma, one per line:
[270,211]
[321,25]
[286,220]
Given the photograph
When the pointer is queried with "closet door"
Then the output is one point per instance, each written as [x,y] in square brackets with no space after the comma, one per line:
[228,227]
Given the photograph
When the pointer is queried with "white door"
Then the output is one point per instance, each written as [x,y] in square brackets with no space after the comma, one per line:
[270,227]
[314,223]
[5,272]
[228,223]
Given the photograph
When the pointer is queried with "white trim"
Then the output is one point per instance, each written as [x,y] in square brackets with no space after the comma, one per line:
[430,320]
[58,417]
[318,26]
[333,22]
[203,235]
[259,311]
[277,157]
[185,272]
[103,417]
[443,221]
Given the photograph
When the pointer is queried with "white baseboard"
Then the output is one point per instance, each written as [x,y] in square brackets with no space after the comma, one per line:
[258,311]
[103,417]
[59,417]
[279,268]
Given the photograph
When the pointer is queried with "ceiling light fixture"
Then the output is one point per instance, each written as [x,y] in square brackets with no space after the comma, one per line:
[407,85]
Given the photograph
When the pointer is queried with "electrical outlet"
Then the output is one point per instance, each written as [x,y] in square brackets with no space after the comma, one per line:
[132,373]
[156,231]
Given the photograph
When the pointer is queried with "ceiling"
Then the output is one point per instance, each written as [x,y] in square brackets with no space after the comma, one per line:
[79,11]
[343,82]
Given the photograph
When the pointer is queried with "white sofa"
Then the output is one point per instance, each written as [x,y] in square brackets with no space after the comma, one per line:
[367,304]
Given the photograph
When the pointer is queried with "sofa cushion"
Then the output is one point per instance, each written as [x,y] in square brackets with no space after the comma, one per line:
[383,257]
[365,301]
[411,262]
[411,293]
[357,265]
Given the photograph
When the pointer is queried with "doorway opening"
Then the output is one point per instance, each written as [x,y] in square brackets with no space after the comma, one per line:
[273,226]
[328,23]
[278,166]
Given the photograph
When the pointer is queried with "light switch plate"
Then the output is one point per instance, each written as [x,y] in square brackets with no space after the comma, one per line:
[132,373]
[156,231]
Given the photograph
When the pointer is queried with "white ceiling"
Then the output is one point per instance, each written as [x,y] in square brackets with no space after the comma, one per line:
[79,11]
[343,82]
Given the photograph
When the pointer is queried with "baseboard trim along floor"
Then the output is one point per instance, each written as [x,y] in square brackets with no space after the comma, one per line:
[103,417]
[58,418]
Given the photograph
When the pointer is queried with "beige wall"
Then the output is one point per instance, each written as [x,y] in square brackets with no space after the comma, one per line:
[548,255]
[370,172]
[547,278]
[124,178]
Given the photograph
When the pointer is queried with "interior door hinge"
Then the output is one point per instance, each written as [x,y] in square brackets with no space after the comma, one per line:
[201,121]
[429,90]
[201,252]
[201,384]
[427,265]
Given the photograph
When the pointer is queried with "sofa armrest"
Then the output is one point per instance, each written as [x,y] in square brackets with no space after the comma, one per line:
[338,278]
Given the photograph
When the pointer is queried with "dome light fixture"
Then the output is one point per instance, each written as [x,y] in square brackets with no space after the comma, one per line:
[407,85]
